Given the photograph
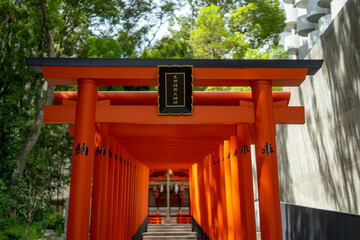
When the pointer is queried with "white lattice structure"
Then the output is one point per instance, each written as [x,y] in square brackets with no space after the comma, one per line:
[306,21]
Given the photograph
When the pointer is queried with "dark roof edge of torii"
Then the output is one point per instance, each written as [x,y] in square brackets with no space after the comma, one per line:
[36,63]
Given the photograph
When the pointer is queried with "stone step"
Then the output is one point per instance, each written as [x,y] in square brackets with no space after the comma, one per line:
[178,227]
[164,227]
[169,237]
[169,233]
[169,225]
[168,229]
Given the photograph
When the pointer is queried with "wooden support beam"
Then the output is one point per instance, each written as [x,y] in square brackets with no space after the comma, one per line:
[147,76]
[151,97]
[149,114]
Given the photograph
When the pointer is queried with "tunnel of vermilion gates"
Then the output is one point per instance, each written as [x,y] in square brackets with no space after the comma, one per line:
[121,139]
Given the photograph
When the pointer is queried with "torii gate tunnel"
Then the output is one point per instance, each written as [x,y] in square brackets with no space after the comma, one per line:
[119,137]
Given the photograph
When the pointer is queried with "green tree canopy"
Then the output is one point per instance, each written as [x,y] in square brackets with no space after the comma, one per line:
[208,38]
[261,21]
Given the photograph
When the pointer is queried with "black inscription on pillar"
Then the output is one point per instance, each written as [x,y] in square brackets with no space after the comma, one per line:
[120,159]
[110,153]
[228,157]
[245,149]
[100,151]
[116,156]
[235,153]
[268,149]
[84,150]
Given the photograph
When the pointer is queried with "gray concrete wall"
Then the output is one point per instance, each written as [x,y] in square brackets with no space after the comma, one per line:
[319,162]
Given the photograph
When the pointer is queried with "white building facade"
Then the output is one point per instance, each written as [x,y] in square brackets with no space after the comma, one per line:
[306,21]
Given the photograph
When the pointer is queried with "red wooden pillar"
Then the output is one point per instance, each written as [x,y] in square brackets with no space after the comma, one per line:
[103,183]
[144,198]
[97,207]
[191,193]
[145,188]
[128,198]
[213,195]
[235,186]
[123,196]
[133,202]
[228,189]
[82,161]
[132,194]
[117,190]
[223,191]
[137,202]
[120,216]
[218,194]
[196,193]
[207,196]
[266,161]
[248,227]
[202,200]
[110,189]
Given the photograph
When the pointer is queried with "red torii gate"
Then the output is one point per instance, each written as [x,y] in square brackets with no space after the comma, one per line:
[131,124]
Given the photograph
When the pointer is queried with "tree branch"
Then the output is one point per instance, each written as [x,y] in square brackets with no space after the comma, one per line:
[154,35]
[10,14]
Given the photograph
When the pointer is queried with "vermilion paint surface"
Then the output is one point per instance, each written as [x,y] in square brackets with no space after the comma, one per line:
[212,144]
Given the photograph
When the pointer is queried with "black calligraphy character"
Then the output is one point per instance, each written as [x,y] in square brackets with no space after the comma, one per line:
[245,149]
[268,149]
[115,156]
[77,149]
[97,151]
[218,160]
[103,150]
[110,153]
[84,149]
[228,157]
[235,153]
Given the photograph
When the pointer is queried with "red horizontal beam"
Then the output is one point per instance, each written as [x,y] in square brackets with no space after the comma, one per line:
[147,76]
[151,98]
[149,114]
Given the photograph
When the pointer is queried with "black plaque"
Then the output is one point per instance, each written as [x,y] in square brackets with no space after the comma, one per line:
[175,90]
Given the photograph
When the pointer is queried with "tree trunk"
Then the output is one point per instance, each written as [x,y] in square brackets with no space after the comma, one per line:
[31,211]
[46,99]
